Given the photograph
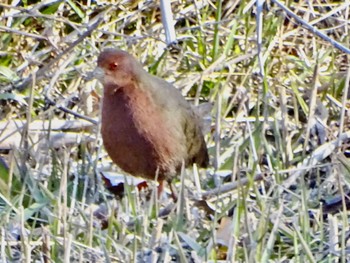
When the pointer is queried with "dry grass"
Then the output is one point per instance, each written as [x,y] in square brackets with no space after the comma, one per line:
[278,186]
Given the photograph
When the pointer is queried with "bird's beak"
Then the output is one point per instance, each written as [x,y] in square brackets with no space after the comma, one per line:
[98,73]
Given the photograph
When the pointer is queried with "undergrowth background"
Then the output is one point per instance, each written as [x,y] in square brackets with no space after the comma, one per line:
[278,184]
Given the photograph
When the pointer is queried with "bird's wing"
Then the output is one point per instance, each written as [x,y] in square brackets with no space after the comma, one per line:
[196,146]
[191,123]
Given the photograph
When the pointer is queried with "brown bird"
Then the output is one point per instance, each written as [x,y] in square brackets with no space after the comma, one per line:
[148,128]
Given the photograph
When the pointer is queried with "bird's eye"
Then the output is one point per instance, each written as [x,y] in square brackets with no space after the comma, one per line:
[113,66]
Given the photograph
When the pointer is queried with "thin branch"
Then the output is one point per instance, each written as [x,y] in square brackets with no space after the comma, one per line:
[19,32]
[311,28]
[42,71]
[66,110]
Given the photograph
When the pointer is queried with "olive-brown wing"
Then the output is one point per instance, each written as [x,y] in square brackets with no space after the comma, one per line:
[183,115]
[196,146]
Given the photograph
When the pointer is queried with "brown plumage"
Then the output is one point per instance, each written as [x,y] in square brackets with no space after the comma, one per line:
[146,123]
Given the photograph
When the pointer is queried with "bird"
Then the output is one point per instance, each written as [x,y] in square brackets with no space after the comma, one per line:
[148,128]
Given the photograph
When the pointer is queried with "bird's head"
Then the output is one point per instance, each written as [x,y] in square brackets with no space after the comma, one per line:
[117,68]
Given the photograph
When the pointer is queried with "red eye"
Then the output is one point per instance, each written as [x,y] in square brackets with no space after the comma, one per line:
[113,66]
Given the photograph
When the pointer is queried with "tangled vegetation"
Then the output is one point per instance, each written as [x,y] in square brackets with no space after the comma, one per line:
[278,184]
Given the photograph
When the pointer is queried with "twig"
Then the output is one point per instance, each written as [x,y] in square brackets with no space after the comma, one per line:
[168,22]
[66,110]
[41,72]
[311,28]
[7,29]
[318,155]
[259,35]
[344,102]
[231,186]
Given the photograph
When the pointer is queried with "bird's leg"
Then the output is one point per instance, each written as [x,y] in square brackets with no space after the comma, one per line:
[172,190]
[160,188]
[160,184]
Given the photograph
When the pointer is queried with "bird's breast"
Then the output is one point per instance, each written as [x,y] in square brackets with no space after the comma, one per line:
[139,136]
